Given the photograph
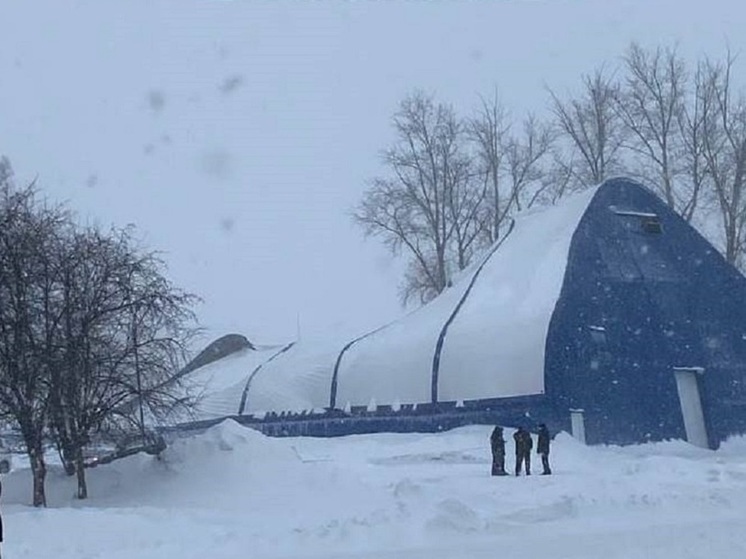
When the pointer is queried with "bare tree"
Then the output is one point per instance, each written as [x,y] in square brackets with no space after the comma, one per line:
[591,126]
[428,202]
[6,172]
[525,157]
[488,130]
[512,162]
[465,204]
[693,162]
[124,330]
[88,323]
[29,315]
[724,149]
[652,105]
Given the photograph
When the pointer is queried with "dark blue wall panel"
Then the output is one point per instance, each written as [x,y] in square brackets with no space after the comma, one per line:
[635,303]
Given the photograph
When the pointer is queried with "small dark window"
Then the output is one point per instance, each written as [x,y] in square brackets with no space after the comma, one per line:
[651,224]
[598,334]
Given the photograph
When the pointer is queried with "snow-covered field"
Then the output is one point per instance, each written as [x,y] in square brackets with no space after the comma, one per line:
[233,493]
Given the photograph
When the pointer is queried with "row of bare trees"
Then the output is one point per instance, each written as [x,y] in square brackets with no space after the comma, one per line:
[454,183]
[90,328]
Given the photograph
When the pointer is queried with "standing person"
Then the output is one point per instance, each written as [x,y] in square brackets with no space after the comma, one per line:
[542,448]
[497,443]
[523,445]
[1,521]
[4,469]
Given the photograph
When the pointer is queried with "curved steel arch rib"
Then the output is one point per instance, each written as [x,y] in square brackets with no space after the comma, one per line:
[245,393]
[451,318]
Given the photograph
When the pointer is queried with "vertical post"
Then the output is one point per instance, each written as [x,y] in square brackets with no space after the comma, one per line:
[137,374]
[577,423]
[687,385]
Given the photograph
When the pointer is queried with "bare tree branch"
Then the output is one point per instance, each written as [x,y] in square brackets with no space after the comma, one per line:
[592,127]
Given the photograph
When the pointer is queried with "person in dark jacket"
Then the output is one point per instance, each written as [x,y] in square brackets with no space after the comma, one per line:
[542,448]
[1,518]
[497,443]
[523,445]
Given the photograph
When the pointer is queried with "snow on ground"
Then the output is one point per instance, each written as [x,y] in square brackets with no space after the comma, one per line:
[231,492]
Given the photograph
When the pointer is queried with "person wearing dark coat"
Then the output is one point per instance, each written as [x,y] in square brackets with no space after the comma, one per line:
[542,448]
[1,518]
[497,443]
[523,445]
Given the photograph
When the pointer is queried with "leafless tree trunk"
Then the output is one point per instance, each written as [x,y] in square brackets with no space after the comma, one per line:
[652,106]
[66,353]
[465,204]
[724,150]
[125,327]
[511,161]
[592,128]
[35,451]
[28,243]
[524,163]
[488,130]
[430,186]
[694,164]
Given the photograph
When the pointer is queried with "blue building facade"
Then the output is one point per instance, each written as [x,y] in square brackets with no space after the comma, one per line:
[644,295]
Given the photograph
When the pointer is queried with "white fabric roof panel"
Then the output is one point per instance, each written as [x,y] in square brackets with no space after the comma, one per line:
[493,348]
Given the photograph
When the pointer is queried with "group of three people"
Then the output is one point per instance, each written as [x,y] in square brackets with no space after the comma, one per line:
[523,446]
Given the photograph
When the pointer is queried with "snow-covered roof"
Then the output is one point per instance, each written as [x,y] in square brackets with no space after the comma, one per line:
[221,383]
[494,346]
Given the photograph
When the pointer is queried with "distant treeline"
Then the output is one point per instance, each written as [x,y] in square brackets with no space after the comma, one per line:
[454,182]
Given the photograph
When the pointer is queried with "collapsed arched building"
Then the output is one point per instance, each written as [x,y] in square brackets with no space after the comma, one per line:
[607,315]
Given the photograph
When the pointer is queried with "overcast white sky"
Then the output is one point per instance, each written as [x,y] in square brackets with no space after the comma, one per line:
[238,135]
